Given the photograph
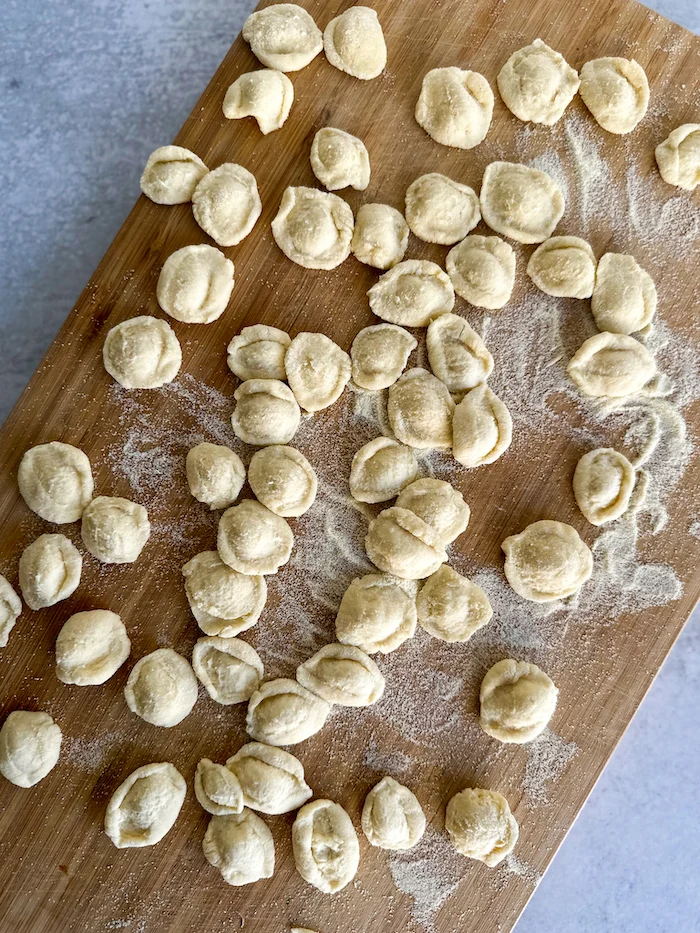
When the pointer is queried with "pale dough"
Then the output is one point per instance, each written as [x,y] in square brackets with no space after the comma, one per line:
[49,570]
[457,354]
[240,845]
[678,157]
[55,481]
[564,267]
[161,688]
[226,203]
[611,365]
[171,175]
[10,609]
[283,480]
[440,210]
[517,701]
[115,530]
[400,543]
[313,228]
[520,202]
[253,540]
[482,428]
[30,743]
[379,354]
[317,370]
[215,475]
[282,712]
[342,674]
[91,647]
[455,107]
[439,504]
[142,353]
[195,284]
[380,237]
[392,818]
[266,412]
[420,410]
[624,295]
[412,293]
[537,84]
[325,846]
[223,601]
[603,483]
[267,95]
[547,561]
[481,826]
[217,789]
[616,92]
[283,36]
[354,43]
[143,809]
[271,779]
[482,270]
[229,668]
[381,469]
[375,615]
[450,607]
[258,353]
[339,160]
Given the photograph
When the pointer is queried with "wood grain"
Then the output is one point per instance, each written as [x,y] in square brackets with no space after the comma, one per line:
[58,871]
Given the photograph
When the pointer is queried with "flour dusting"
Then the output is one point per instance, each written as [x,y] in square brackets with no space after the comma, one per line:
[547,758]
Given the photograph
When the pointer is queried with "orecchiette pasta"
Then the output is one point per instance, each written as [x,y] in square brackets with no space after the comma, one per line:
[339,160]
[161,688]
[215,475]
[547,561]
[400,543]
[283,480]
[603,483]
[678,157]
[450,607]
[55,481]
[420,410]
[455,107]
[354,43]
[313,228]
[325,846]
[267,95]
[520,202]
[229,668]
[258,353]
[142,353]
[481,826]
[412,293]
[375,615]
[195,284]
[537,84]
[457,354]
[143,809]
[624,295]
[439,504]
[266,412]
[253,540]
[381,469]
[517,701]
[612,365]
[226,203]
[91,647]
[379,354]
[115,530]
[482,428]
[223,601]
[317,370]
[49,570]
[171,175]
[217,789]
[616,91]
[563,266]
[241,846]
[440,210]
[282,712]
[392,818]
[380,237]
[342,674]
[10,609]
[271,780]
[283,36]
[30,743]
[482,271]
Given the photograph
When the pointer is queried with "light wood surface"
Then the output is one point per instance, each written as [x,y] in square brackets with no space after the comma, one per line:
[58,871]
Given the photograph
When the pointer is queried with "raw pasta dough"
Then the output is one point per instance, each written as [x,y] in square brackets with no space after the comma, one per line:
[267,95]
[226,203]
[325,846]
[420,410]
[455,107]
[563,266]
[30,743]
[229,668]
[49,571]
[317,370]
[10,608]
[91,647]
[115,530]
[439,504]
[412,293]
[537,84]
[253,540]
[342,674]
[171,175]
[380,237]
[381,469]
[55,481]
[678,157]
[375,615]
[450,607]
[266,412]
[440,210]
[144,808]
[624,295]
[195,284]
[217,789]
[482,428]
[354,43]
[481,826]
[313,228]
[239,844]
[517,701]
[223,601]
[547,561]
[612,365]
[379,354]
[282,712]
[258,353]
[616,92]
[457,354]
[603,483]
[271,779]
[400,543]
[215,475]
[392,818]
[283,480]
[142,353]
[161,688]
[339,160]
[283,36]
[520,202]
[482,270]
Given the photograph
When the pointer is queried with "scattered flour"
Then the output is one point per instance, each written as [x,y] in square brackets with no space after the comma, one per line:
[515,866]
[547,758]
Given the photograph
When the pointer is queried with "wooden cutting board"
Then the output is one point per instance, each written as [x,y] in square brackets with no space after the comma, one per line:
[58,871]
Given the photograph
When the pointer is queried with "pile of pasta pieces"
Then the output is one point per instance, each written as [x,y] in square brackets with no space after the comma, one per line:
[450,407]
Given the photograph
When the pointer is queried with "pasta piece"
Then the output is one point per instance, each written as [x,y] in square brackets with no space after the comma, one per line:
[379,354]
[455,107]
[520,202]
[458,356]
[339,160]
[482,271]
[317,370]
[267,95]
[381,469]
[400,543]
[375,615]
[325,846]
[412,293]
[482,428]
[420,410]
[450,607]
[547,561]
[313,228]
[342,674]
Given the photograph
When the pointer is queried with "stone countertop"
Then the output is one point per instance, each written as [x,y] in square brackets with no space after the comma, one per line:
[89,89]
